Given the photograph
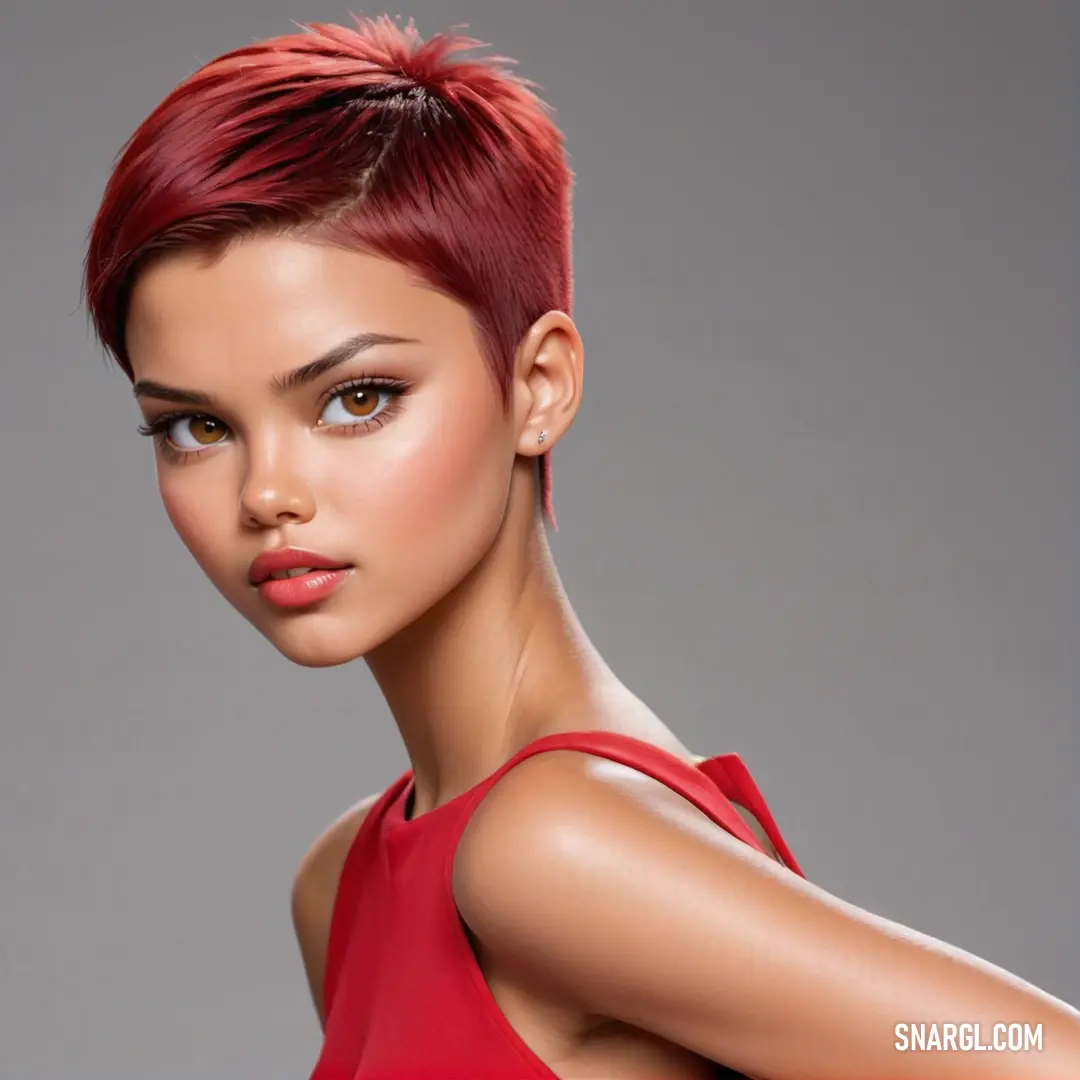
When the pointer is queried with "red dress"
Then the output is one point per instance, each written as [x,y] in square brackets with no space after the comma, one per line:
[403,995]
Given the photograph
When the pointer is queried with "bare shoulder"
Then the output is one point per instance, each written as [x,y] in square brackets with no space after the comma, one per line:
[570,827]
[603,889]
[315,889]
[551,804]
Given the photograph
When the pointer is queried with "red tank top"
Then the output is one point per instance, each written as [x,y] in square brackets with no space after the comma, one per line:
[404,997]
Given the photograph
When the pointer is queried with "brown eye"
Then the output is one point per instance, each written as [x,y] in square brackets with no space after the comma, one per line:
[360,401]
[359,405]
[190,433]
[205,430]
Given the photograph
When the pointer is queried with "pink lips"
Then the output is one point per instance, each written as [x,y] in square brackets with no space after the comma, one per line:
[321,576]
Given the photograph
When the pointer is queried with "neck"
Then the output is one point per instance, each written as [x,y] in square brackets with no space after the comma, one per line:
[500,661]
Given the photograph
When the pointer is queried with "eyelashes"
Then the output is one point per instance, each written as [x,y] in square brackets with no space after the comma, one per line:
[360,406]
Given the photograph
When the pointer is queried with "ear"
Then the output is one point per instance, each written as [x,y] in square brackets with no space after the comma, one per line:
[547,383]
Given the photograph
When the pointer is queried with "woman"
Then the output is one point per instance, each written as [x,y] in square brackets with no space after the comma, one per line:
[336,268]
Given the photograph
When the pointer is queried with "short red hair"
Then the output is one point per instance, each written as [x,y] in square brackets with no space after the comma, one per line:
[365,136]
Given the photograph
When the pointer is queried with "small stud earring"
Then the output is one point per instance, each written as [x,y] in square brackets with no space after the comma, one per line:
[542,436]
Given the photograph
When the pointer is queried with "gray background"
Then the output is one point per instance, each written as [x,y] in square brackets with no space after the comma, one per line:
[820,506]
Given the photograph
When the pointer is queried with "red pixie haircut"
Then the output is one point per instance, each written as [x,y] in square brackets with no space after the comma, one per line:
[366,137]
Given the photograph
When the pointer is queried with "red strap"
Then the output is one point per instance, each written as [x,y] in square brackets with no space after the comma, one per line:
[733,779]
[710,786]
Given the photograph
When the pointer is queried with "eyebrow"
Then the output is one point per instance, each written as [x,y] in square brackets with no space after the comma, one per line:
[341,353]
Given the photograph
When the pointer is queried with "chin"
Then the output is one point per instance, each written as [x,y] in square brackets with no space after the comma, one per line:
[315,658]
[312,646]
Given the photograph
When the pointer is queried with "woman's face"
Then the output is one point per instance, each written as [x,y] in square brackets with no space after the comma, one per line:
[308,397]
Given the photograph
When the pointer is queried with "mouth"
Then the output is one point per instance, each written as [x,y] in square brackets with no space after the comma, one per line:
[287,564]
[295,572]
[292,579]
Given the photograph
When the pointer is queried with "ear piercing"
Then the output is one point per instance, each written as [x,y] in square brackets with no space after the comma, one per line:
[542,436]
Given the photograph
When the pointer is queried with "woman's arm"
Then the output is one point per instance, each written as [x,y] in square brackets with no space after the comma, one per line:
[314,891]
[604,887]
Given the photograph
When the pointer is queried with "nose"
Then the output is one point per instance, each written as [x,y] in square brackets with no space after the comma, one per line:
[275,494]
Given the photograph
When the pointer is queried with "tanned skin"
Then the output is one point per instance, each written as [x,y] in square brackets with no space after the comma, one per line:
[314,891]
[623,934]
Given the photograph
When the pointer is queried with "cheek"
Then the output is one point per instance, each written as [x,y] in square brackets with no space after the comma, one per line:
[195,513]
[453,481]
[441,487]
